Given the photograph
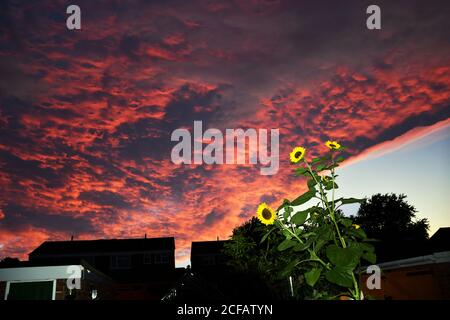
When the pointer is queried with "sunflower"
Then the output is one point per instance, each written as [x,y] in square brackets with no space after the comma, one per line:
[265,214]
[297,154]
[333,145]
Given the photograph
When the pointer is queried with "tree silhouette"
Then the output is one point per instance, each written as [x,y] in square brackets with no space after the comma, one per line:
[260,262]
[388,217]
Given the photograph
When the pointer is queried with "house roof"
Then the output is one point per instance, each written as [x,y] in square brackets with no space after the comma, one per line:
[440,241]
[443,234]
[103,246]
[205,247]
[435,258]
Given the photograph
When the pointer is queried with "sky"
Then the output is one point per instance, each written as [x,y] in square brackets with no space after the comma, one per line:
[86,115]
[417,169]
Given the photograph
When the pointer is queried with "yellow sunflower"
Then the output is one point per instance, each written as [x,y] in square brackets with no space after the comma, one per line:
[297,154]
[333,145]
[266,214]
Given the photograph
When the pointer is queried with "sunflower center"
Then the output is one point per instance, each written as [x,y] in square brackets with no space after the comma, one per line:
[298,154]
[266,214]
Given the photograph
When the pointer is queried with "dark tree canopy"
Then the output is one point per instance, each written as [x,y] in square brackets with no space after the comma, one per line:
[388,217]
[260,262]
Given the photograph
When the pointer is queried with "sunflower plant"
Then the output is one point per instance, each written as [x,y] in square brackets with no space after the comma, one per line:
[328,246]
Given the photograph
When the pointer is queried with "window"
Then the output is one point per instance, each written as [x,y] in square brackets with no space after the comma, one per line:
[120,262]
[90,260]
[221,259]
[207,260]
[147,258]
[156,258]
[161,258]
[38,290]
[165,257]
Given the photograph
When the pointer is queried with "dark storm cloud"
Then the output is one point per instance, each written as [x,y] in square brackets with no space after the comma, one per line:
[129,46]
[268,198]
[151,137]
[18,218]
[189,105]
[441,112]
[104,198]
[96,49]
[15,82]
[21,169]
[212,218]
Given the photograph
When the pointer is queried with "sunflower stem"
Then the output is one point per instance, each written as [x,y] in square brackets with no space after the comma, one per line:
[312,253]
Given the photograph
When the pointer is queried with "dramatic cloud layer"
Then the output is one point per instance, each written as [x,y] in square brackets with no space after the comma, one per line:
[86,116]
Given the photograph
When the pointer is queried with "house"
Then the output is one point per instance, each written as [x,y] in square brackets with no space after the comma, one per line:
[138,269]
[121,259]
[440,240]
[27,282]
[419,276]
[208,255]
[208,279]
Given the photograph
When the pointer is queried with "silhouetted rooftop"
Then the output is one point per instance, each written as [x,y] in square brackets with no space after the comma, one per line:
[199,247]
[104,245]
[440,241]
[441,234]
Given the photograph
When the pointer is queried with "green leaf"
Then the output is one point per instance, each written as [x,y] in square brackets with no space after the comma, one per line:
[340,159]
[325,232]
[300,171]
[309,235]
[346,222]
[332,166]
[266,235]
[304,197]
[343,257]
[286,202]
[341,276]
[287,211]
[312,276]
[286,244]
[360,233]
[370,256]
[286,233]
[311,183]
[319,244]
[303,246]
[366,247]
[330,184]
[289,268]
[321,159]
[300,217]
[350,200]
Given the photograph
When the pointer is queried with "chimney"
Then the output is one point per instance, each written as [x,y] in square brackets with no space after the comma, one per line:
[71,238]
[217,238]
[145,236]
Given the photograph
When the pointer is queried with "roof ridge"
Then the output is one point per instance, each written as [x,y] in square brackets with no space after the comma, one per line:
[122,239]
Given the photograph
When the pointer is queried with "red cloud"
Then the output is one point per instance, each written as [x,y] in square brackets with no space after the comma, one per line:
[92,141]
